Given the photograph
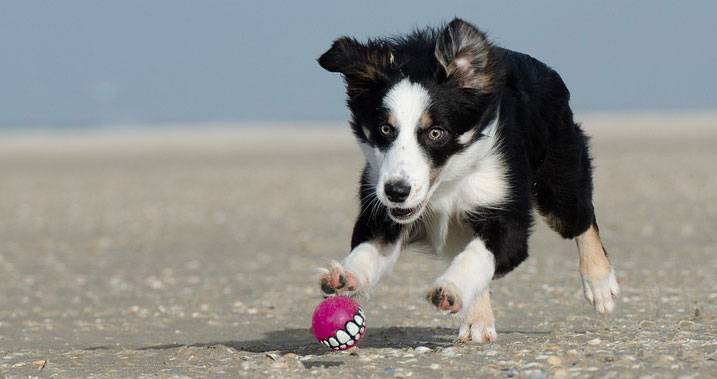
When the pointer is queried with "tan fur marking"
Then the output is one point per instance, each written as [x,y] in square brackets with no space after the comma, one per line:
[478,325]
[594,264]
[481,310]
[392,119]
[426,121]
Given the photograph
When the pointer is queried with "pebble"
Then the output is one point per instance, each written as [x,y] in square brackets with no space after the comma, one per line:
[554,360]
[538,374]
[685,324]
[278,365]
[449,352]
[434,366]
[562,373]
[594,342]
[422,349]
[246,365]
[646,324]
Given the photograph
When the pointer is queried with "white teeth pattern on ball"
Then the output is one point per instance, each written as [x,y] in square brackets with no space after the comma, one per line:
[347,336]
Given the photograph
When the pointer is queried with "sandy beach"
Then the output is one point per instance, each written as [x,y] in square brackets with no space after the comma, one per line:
[192,251]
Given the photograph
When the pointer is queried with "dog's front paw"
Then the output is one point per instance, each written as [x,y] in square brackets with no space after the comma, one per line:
[477,331]
[445,297]
[602,292]
[338,281]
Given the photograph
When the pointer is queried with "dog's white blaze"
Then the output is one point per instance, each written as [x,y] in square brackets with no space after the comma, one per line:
[407,101]
[405,159]
[470,272]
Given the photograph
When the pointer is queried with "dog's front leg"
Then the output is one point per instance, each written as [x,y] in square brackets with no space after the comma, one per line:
[361,270]
[468,275]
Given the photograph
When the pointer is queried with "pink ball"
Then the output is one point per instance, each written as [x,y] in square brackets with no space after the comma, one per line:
[338,323]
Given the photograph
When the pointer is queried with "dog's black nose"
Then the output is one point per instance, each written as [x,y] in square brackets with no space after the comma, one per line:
[397,191]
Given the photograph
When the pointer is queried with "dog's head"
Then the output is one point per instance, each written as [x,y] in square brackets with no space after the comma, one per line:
[415,103]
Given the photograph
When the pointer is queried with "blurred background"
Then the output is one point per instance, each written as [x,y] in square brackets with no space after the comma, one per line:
[89,63]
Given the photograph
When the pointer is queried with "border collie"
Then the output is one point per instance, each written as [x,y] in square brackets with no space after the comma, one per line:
[462,139]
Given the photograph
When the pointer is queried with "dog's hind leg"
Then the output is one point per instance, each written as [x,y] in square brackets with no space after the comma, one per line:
[479,325]
[599,282]
[563,192]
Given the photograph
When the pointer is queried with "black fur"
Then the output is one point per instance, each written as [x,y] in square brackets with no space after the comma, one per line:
[545,150]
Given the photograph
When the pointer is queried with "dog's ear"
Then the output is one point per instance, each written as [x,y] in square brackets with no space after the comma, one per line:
[464,54]
[362,65]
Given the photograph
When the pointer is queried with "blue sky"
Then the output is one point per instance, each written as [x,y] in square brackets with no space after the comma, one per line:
[71,62]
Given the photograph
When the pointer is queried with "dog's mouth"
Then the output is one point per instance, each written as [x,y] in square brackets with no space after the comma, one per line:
[404,214]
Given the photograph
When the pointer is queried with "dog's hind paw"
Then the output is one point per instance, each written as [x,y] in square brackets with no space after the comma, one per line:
[477,332]
[602,293]
[338,281]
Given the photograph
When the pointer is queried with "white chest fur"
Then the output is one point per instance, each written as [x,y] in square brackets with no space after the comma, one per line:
[473,179]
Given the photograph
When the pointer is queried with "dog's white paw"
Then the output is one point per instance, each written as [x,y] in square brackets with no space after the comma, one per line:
[602,293]
[338,281]
[477,332]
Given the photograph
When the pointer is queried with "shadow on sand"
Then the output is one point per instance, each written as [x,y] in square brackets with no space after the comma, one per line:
[302,342]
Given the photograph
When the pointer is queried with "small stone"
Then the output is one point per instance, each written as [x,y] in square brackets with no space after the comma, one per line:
[562,373]
[449,352]
[246,365]
[647,324]
[389,370]
[594,342]
[685,324]
[434,366]
[290,355]
[539,374]
[422,349]
[278,365]
[554,360]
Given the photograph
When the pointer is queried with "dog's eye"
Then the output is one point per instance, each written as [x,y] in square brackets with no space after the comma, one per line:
[386,130]
[436,134]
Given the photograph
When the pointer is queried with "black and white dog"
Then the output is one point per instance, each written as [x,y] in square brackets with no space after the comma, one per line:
[462,138]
